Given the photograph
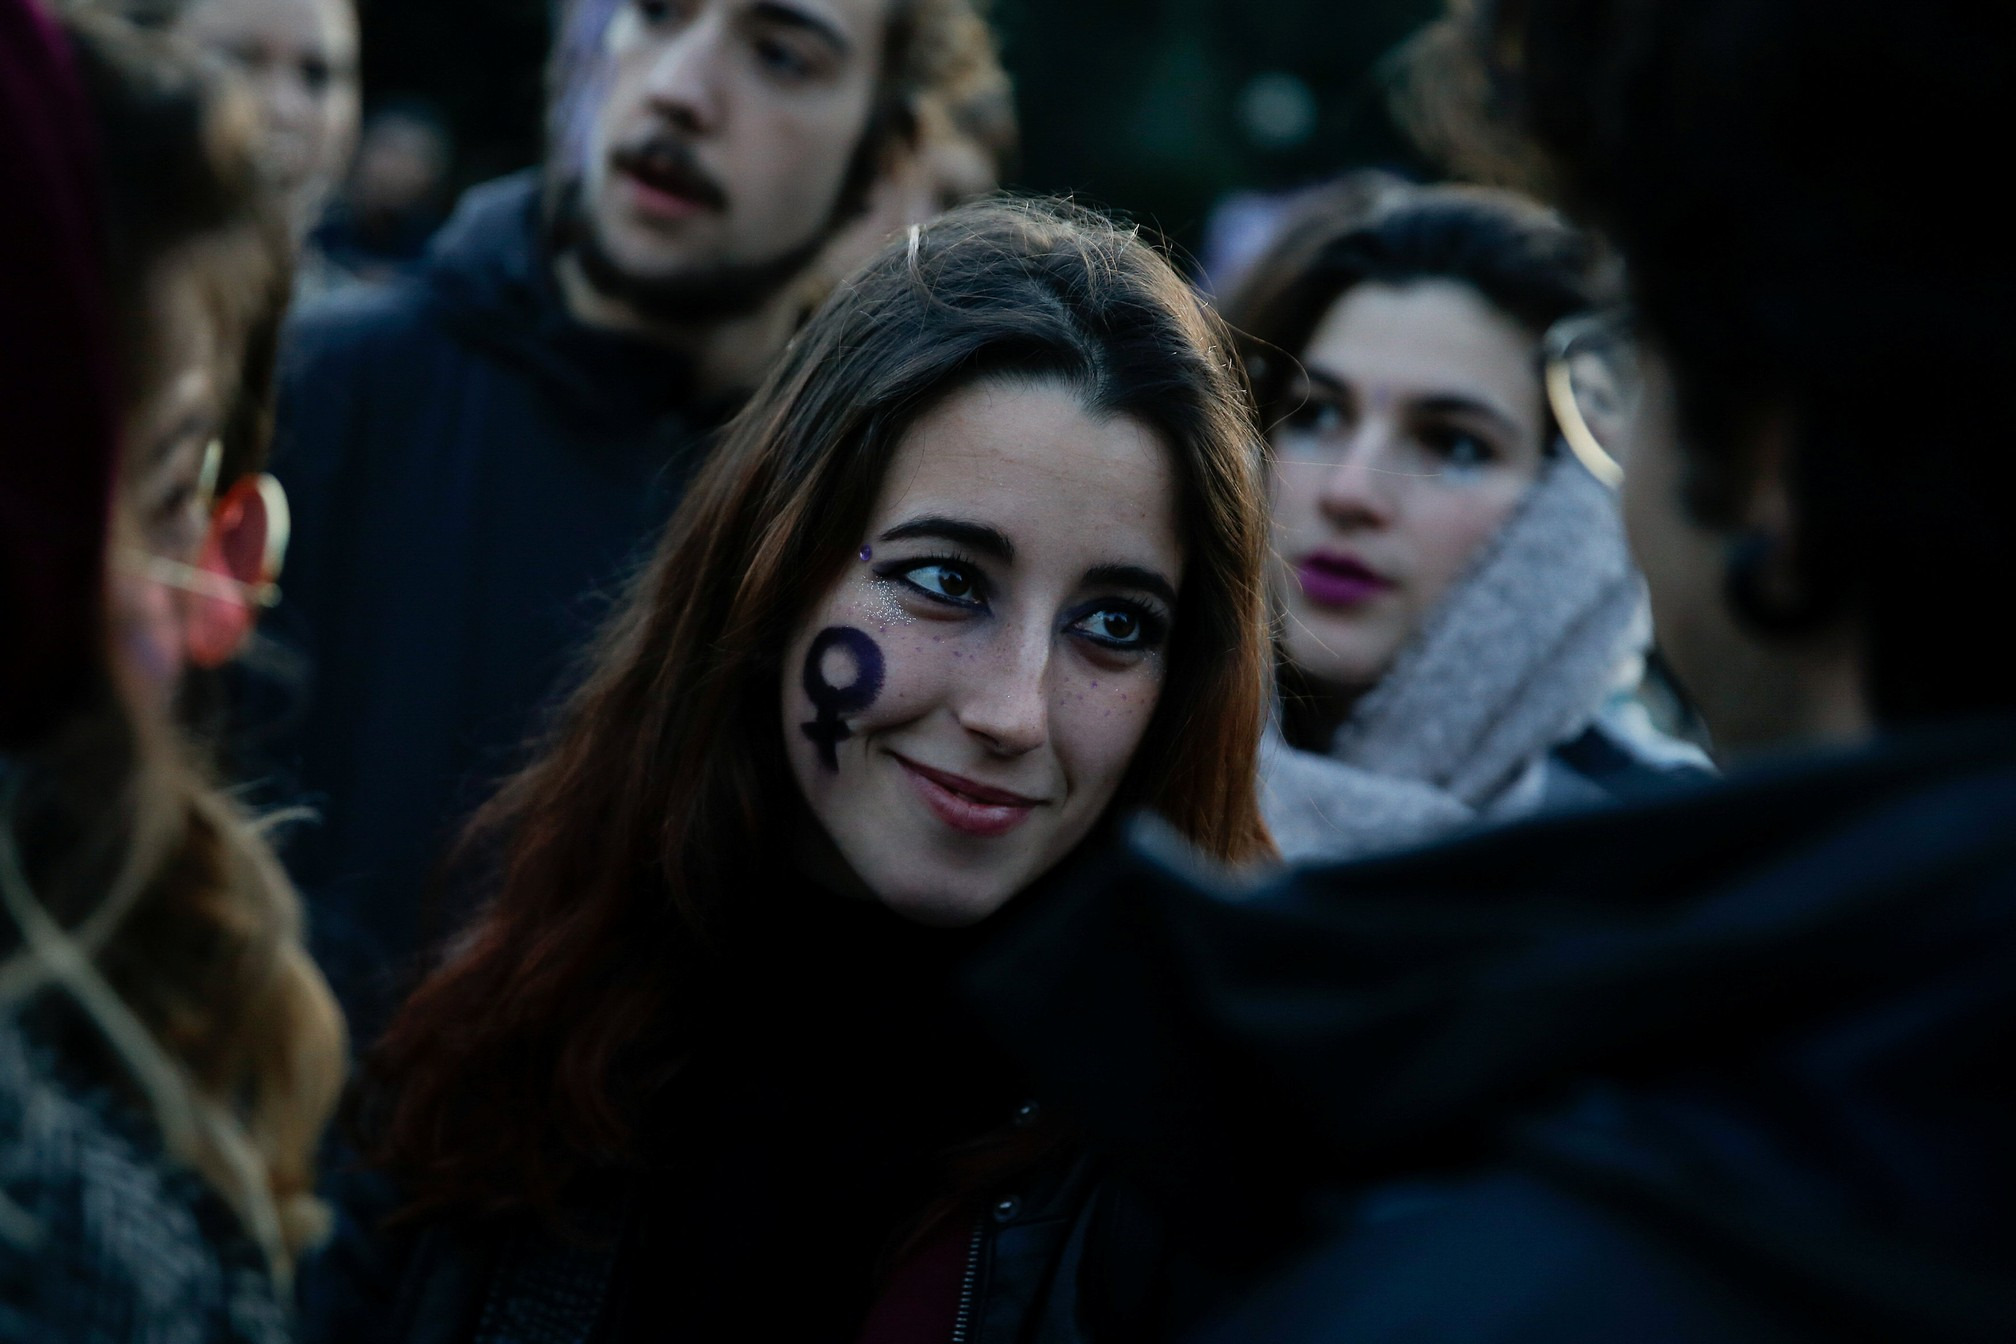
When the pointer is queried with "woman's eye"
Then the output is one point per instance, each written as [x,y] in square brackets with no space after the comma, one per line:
[1459,447]
[954,583]
[174,525]
[1117,628]
[780,59]
[1319,417]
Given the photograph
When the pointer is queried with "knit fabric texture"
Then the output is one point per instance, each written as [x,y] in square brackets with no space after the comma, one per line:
[1519,657]
[105,1239]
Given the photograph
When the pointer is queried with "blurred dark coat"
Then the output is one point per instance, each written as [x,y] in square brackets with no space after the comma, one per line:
[1731,1067]
[473,474]
[105,1238]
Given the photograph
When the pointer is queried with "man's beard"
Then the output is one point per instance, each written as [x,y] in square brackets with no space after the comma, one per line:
[695,296]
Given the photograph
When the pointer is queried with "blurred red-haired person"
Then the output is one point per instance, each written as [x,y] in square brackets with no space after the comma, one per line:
[168,1054]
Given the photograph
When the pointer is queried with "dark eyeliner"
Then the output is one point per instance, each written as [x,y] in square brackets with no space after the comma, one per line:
[898,571]
[1154,625]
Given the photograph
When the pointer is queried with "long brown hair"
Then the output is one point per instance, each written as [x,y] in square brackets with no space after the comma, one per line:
[134,884]
[1518,256]
[523,1058]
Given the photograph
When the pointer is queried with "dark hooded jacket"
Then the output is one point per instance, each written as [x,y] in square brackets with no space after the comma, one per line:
[473,474]
[1730,1067]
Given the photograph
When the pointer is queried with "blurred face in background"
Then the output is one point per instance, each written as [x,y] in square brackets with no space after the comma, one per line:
[1422,428]
[961,708]
[300,57]
[719,155]
[402,166]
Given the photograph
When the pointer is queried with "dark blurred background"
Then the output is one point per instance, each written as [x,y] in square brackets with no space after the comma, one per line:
[1158,108]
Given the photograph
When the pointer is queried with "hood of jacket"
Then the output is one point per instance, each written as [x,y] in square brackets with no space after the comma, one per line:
[489,277]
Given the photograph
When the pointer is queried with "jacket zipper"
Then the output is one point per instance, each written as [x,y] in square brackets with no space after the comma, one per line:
[969,1286]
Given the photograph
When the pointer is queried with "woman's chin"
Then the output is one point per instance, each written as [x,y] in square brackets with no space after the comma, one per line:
[948,904]
[1341,654]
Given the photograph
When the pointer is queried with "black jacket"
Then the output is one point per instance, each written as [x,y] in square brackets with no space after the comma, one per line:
[1730,1067]
[834,1105]
[473,474]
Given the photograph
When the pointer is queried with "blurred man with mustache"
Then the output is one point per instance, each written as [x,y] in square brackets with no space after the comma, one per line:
[478,453]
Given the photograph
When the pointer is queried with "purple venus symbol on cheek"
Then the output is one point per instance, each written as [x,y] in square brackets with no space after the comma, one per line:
[835,703]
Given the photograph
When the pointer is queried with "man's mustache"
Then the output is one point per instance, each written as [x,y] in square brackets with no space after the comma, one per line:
[665,161]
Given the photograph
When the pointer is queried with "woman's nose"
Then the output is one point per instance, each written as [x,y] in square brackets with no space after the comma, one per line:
[1005,699]
[1358,491]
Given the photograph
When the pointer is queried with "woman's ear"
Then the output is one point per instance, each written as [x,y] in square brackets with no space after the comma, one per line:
[1769,582]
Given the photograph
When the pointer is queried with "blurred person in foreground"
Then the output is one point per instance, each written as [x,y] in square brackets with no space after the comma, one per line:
[299,58]
[1731,1066]
[168,1054]
[1462,627]
[480,452]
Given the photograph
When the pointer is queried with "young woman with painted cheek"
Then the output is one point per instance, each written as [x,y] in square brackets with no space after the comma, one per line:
[975,687]
[1458,611]
[979,572]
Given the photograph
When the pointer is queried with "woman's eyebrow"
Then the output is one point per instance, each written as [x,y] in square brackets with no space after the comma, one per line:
[805,20]
[193,427]
[1451,403]
[1325,380]
[979,536]
[1131,576]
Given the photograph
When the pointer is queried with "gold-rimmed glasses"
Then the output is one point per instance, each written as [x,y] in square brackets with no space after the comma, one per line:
[1593,387]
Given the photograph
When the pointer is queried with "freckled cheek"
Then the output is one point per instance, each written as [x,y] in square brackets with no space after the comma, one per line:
[1098,722]
[922,662]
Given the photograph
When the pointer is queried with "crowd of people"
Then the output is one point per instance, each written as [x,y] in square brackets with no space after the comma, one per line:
[805,749]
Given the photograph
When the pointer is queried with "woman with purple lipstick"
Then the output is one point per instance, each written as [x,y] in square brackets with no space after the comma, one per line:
[1460,622]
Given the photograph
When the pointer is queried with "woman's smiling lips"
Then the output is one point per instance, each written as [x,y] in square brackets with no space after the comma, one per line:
[965,805]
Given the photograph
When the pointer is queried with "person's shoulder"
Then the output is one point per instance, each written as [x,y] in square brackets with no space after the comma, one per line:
[1620,756]
[1496,1256]
[478,285]
[361,324]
